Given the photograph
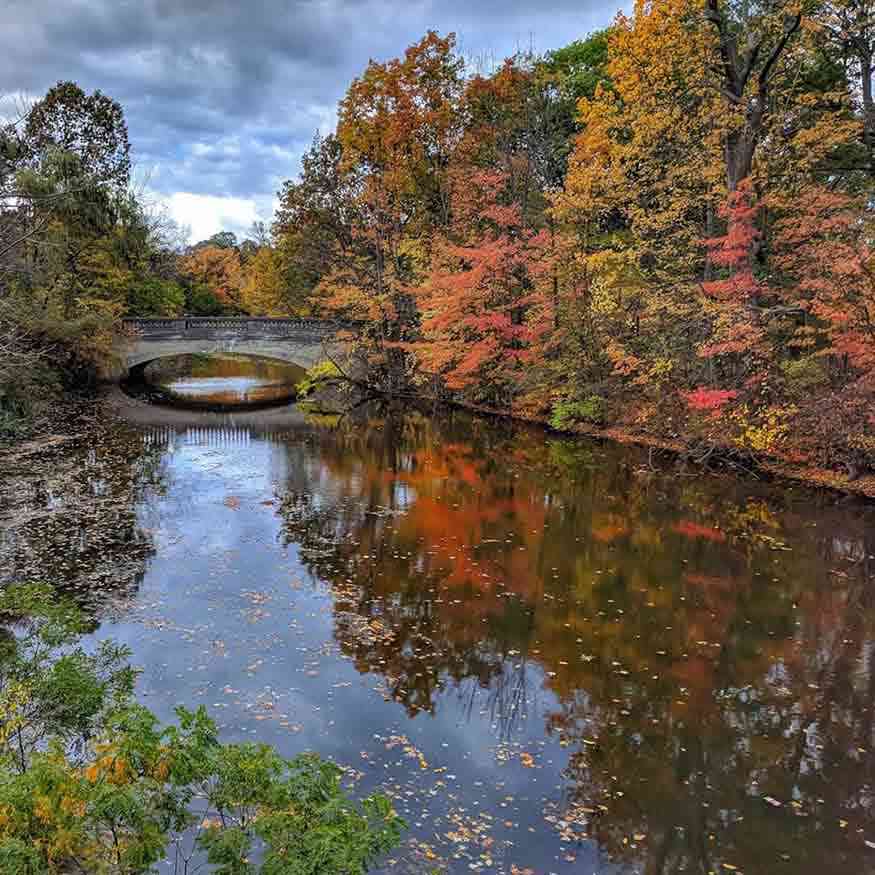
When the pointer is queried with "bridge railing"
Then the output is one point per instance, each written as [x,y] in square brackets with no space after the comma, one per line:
[141,326]
[199,327]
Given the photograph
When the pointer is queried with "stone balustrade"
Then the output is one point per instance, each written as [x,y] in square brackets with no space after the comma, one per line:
[248,327]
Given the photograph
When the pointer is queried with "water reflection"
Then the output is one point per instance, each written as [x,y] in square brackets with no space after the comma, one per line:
[708,643]
[220,381]
[566,660]
[70,516]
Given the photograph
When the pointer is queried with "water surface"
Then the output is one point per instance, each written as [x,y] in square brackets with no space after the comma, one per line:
[555,658]
[221,380]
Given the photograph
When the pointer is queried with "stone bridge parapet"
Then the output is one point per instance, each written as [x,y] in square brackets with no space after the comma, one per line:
[249,327]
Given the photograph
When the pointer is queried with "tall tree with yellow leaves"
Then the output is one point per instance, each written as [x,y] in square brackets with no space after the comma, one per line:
[265,290]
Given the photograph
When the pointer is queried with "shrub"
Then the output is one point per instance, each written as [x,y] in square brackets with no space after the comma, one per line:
[27,382]
[565,413]
[804,376]
[320,373]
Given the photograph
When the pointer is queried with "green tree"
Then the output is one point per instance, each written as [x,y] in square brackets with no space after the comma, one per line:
[580,67]
[91,782]
[90,126]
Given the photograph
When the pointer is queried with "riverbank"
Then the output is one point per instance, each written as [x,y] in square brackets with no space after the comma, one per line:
[66,419]
[55,423]
[772,467]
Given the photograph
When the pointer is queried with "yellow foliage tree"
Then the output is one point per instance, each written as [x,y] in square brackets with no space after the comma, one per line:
[265,291]
[219,269]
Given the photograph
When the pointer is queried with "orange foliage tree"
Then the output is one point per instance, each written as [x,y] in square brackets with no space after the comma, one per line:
[477,297]
[220,270]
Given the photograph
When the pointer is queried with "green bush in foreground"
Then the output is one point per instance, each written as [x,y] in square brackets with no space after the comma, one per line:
[90,782]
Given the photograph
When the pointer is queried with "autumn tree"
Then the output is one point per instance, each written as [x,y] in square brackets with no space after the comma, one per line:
[642,191]
[823,246]
[706,121]
[217,269]
[475,301]
[313,224]
[488,297]
[265,290]
[849,26]
[746,72]
[397,126]
[65,177]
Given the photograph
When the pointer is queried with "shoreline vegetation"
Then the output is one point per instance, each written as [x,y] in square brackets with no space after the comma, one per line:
[660,232]
[716,454]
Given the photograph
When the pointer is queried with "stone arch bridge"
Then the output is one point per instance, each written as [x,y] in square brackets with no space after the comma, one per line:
[299,341]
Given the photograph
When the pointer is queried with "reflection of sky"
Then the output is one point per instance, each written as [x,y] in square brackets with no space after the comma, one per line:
[228,617]
[210,385]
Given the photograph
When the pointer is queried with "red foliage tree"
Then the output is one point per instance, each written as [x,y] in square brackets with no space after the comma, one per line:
[823,245]
[734,296]
[480,300]
[704,399]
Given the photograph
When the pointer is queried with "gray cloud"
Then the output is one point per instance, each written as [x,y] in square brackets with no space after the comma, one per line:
[223,97]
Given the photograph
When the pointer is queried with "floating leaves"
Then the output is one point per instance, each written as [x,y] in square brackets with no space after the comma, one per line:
[448,625]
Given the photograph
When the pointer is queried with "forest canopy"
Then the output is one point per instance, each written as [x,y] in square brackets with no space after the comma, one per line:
[664,227]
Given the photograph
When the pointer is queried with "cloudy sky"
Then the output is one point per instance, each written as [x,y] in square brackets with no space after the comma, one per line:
[222,97]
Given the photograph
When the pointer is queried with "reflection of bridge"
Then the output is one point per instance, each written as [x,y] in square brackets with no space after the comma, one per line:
[299,341]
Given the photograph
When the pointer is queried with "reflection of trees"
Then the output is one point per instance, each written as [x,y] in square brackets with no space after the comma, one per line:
[228,365]
[71,517]
[363,519]
[388,618]
[699,664]
[686,752]
[507,696]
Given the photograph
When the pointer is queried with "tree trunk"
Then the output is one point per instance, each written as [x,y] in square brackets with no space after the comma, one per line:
[740,149]
[868,109]
[739,70]
[708,273]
